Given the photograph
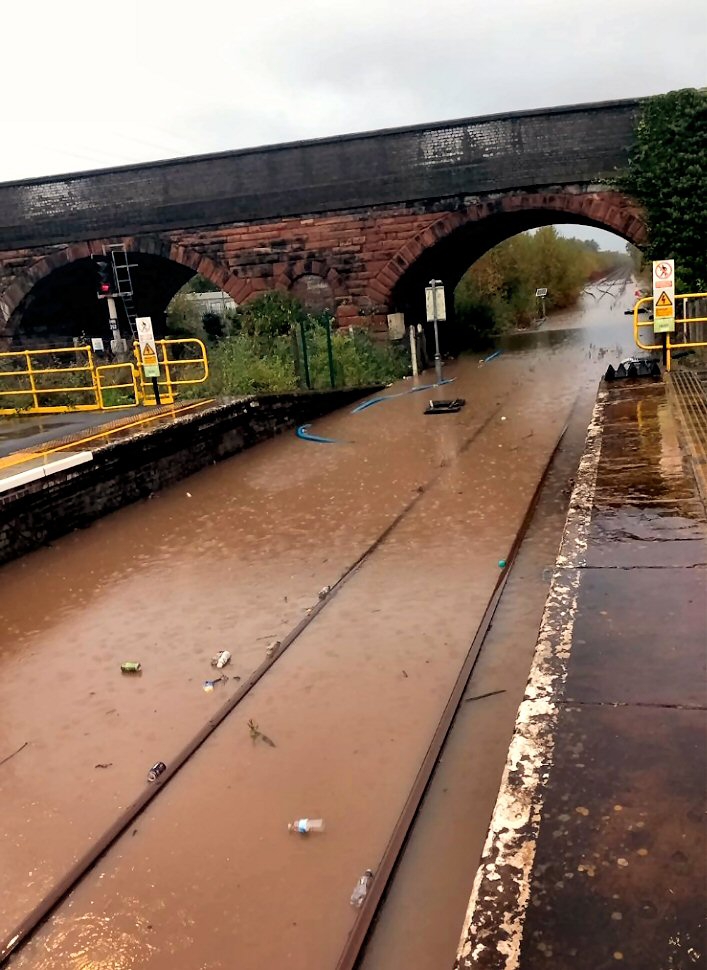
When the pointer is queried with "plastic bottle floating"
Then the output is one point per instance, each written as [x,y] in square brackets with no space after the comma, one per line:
[306,825]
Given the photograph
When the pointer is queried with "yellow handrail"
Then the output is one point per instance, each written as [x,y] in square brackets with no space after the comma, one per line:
[36,386]
[670,344]
[32,385]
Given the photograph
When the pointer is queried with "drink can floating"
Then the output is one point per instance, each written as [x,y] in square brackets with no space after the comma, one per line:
[156,770]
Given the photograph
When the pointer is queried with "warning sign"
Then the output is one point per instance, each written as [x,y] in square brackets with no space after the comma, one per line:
[146,338]
[148,355]
[664,296]
[663,305]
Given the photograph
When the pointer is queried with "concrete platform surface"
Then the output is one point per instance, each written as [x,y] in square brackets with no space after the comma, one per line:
[37,439]
[596,855]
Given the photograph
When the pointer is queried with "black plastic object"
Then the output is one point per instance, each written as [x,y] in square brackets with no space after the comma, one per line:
[633,367]
[446,407]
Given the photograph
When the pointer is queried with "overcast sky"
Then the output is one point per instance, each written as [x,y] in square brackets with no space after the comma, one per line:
[88,84]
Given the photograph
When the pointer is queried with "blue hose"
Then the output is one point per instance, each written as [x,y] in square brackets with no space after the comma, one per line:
[389,397]
[302,433]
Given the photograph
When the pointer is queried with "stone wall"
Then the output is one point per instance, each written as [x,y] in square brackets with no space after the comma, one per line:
[129,470]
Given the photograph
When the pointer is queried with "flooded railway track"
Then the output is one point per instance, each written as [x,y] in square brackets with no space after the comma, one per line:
[128,817]
[370,908]
[417,577]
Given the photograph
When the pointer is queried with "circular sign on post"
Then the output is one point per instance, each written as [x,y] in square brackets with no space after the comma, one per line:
[663,270]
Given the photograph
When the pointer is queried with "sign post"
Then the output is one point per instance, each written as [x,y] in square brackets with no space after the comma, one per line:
[540,294]
[664,301]
[664,296]
[148,353]
[436,310]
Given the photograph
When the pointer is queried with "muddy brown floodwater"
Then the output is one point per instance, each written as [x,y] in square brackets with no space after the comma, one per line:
[233,558]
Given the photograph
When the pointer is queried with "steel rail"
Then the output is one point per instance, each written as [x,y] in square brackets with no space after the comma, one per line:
[359,933]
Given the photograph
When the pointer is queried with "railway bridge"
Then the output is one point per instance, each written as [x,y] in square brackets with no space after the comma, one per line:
[355,223]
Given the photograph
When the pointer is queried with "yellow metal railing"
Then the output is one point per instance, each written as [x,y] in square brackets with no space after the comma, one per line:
[175,370]
[677,339]
[124,385]
[65,379]
[28,384]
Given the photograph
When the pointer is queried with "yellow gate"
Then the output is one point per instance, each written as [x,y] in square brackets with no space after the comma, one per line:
[687,327]
[65,379]
[181,361]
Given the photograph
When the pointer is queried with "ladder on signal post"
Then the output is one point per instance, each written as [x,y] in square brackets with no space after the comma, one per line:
[124,284]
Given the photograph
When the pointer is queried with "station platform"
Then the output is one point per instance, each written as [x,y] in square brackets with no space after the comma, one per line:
[596,853]
[34,446]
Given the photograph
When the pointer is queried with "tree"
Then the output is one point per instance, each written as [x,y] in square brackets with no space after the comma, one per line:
[213,325]
[667,175]
[269,315]
[498,292]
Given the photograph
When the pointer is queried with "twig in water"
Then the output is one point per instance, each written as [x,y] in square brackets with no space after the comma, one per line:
[14,753]
[256,734]
[480,697]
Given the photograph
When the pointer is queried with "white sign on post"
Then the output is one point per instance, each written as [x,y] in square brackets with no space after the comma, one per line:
[435,294]
[664,296]
[148,348]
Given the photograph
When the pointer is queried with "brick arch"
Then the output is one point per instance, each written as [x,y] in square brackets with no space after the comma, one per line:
[44,266]
[248,288]
[313,267]
[606,210]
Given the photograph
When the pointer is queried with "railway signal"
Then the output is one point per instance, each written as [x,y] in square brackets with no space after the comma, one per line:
[105,281]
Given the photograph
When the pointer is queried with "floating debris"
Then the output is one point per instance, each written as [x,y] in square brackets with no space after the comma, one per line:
[257,735]
[14,753]
[156,770]
[480,697]
[306,825]
[209,684]
[361,890]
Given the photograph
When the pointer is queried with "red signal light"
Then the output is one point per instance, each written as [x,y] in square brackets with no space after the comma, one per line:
[105,284]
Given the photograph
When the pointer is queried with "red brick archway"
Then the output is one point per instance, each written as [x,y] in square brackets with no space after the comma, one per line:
[605,210]
[372,261]
[46,265]
[240,288]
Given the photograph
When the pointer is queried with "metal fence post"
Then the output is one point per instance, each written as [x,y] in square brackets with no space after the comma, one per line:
[330,353]
[305,356]
[30,375]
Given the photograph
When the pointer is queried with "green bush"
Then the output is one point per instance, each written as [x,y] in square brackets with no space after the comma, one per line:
[262,352]
[667,174]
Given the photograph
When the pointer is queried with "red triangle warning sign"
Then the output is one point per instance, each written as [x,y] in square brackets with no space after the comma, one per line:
[664,300]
